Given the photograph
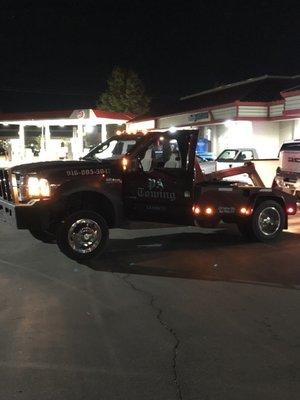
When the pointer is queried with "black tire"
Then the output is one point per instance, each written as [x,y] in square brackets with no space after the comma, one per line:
[73,244]
[43,236]
[267,222]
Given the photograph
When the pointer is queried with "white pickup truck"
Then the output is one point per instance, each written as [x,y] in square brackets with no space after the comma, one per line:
[288,173]
[236,157]
[227,159]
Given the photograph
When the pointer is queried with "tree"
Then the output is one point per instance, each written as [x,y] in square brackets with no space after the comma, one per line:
[125,93]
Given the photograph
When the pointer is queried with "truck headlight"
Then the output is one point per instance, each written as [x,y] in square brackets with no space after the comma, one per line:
[38,187]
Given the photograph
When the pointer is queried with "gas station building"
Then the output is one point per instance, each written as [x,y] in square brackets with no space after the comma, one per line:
[52,135]
[259,113]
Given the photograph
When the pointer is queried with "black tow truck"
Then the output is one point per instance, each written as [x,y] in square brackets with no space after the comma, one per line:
[152,177]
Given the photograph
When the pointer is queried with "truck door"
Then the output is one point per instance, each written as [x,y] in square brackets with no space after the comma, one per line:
[160,187]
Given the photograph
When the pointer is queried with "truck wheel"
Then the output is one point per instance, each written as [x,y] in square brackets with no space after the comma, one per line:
[83,235]
[267,221]
[42,236]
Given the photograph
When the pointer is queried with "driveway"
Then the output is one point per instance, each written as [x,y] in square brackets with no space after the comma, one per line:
[166,313]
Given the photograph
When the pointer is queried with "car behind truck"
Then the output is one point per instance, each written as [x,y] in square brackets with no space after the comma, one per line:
[156,178]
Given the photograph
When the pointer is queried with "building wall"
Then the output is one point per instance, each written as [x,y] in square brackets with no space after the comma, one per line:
[232,134]
[296,131]
[222,140]
[266,139]
[265,136]
[286,131]
[185,119]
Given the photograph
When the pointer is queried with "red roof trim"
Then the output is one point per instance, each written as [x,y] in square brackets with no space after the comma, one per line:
[221,121]
[276,102]
[292,113]
[236,103]
[35,115]
[184,112]
[142,119]
[290,94]
[40,115]
[253,103]
[112,114]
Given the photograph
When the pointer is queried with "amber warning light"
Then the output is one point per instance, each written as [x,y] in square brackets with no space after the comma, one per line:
[124,163]
[245,211]
[196,209]
[209,211]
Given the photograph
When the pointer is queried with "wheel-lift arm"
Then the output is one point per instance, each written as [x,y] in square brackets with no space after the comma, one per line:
[248,168]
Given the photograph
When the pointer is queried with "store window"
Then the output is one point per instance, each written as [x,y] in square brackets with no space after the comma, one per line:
[8,134]
[92,136]
[112,129]
[33,138]
[60,146]
[61,132]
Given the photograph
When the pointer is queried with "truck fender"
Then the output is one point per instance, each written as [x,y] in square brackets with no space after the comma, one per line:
[113,195]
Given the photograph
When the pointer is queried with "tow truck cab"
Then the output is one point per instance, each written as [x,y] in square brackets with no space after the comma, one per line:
[157,178]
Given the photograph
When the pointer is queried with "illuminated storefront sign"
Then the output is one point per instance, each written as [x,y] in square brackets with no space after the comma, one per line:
[199,116]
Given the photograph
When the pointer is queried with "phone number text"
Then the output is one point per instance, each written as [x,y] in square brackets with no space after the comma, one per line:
[84,172]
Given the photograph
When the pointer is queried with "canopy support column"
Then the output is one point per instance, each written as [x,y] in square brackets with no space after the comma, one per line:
[47,142]
[21,142]
[103,132]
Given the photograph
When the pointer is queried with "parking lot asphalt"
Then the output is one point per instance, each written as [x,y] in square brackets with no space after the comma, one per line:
[165,313]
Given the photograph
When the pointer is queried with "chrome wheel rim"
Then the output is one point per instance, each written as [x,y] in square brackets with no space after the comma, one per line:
[269,221]
[84,236]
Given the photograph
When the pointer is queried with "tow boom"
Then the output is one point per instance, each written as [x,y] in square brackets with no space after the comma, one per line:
[248,168]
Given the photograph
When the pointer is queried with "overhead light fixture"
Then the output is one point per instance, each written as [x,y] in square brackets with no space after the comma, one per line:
[173,129]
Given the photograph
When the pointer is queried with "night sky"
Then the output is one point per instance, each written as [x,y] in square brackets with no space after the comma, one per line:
[58,54]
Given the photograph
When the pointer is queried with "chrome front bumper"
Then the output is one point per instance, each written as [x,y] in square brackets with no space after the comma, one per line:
[8,213]
[21,216]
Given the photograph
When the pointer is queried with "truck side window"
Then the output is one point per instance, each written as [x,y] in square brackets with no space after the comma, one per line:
[227,155]
[164,153]
[146,161]
[175,159]
[245,155]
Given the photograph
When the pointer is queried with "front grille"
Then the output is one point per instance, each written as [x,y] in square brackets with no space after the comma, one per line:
[5,190]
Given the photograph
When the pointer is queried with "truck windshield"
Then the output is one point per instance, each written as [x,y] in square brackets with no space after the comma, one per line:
[115,148]
[295,146]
